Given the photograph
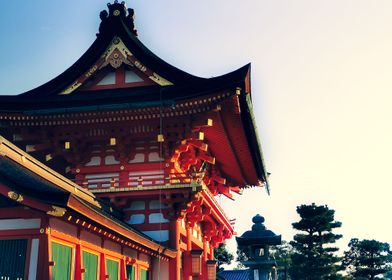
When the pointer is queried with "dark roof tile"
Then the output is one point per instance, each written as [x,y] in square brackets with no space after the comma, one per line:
[235,274]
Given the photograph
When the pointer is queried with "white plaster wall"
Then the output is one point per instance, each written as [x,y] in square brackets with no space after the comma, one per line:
[158,235]
[33,259]
[136,219]
[94,161]
[9,224]
[157,218]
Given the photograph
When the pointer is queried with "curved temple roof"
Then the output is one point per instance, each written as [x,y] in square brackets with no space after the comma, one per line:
[117,48]
[118,24]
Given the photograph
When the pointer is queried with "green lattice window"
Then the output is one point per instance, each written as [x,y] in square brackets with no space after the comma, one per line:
[112,269]
[143,274]
[130,272]
[90,265]
[62,257]
[13,258]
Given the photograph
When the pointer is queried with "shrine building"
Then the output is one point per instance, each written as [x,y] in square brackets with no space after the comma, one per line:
[111,170]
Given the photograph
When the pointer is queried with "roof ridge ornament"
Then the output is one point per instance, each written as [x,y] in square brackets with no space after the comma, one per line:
[117,10]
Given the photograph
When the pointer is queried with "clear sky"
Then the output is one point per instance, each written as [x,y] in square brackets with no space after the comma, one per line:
[321,87]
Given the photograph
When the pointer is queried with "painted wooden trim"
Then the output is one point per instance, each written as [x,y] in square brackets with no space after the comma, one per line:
[57,235]
[88,212]
[14,224]
[20,213]
[21,233]
[33,265]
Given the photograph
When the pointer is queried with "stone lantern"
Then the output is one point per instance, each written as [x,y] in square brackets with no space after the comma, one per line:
[256,243]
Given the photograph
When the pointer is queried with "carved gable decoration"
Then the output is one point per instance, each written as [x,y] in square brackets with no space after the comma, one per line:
[116,68]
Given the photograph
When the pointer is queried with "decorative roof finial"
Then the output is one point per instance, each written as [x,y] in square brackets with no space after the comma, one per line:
[131,20]
[117,11]
[258,221]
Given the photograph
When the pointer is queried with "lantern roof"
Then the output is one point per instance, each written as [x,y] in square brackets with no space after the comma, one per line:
[258,235]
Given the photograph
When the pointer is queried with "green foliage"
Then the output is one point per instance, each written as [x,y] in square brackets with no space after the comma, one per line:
[367,259]
[313,257]
[222,256]
[242,255]
[282,254]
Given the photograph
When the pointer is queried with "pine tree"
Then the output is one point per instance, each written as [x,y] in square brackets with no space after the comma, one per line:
[242,255]
[313,257]
[282,254]
[223,256]
[367,258]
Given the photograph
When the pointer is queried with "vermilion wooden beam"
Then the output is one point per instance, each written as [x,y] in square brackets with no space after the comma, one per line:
[24,199]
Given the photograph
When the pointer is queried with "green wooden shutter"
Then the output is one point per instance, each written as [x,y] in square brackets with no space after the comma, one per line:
[130,272]
[90,264]
[62,256]
[143,274]
[13,258]
[112,269]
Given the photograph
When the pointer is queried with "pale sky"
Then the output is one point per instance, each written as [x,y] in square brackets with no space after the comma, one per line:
[321,87]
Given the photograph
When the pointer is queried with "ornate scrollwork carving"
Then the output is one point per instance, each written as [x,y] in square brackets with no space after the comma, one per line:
[57,211]
[15,196]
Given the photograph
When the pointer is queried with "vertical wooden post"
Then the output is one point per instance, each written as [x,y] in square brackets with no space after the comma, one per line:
[187,255]
[204,274]
[78,263]
[175,264]
[43,271]
[102,267]
[123,275]
[123,178]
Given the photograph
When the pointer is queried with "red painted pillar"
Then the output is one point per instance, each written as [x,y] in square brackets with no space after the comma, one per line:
[175,264]
[123,275]
[204,259]
[124,174]
[187,255]
[78,263]
[102,267]
[44,254]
